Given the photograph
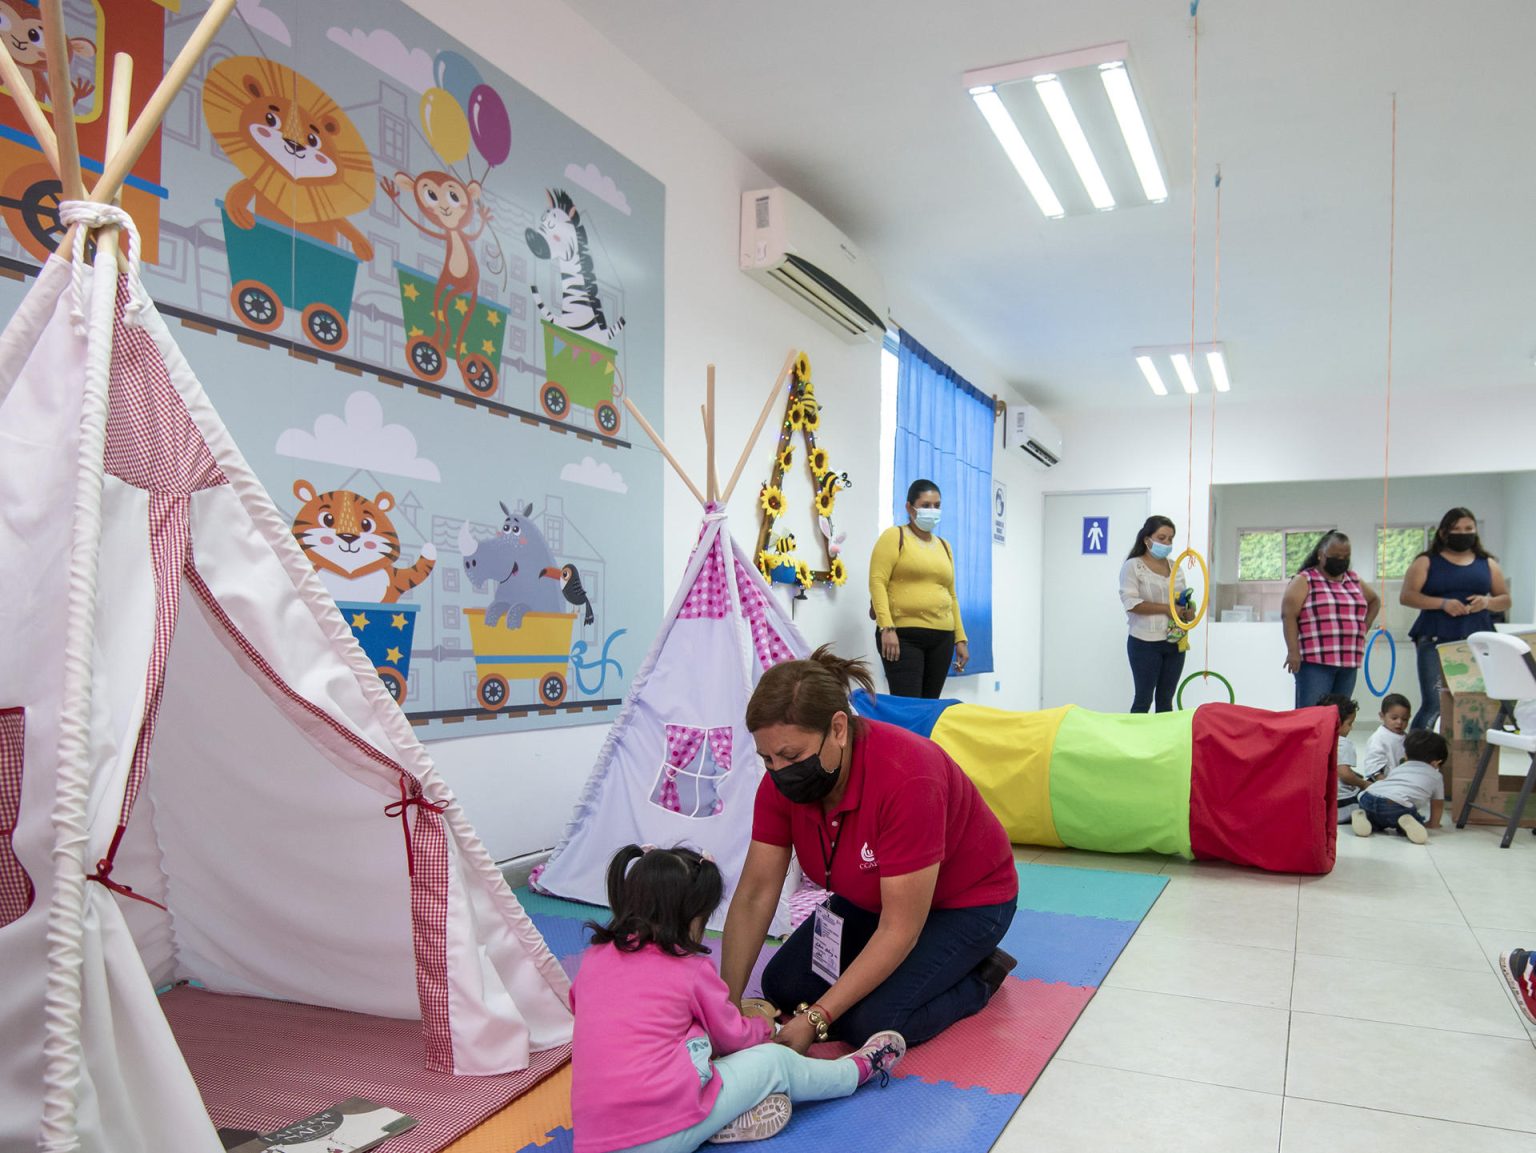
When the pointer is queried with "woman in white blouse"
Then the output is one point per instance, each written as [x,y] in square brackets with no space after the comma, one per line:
[1156,658]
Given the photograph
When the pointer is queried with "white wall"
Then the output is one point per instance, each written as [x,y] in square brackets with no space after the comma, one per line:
[519,789]
[1518,554]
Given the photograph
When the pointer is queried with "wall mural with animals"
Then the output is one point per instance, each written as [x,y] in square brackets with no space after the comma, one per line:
[416,294]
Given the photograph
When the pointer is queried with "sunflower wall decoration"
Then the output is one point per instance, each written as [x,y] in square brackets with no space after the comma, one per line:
[776,551]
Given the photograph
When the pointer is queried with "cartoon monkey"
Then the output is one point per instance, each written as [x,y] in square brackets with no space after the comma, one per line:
[23,38]
[447,206]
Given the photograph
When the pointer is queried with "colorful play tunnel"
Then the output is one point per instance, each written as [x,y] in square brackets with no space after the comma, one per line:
[1220,782]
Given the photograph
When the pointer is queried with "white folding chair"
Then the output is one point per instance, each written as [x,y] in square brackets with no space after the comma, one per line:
[1509,674]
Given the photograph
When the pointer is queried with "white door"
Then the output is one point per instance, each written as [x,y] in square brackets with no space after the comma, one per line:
[1082,637]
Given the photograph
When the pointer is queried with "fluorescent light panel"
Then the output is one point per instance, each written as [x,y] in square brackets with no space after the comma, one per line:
[1059,108]
[1149,370]
[990,105]
[1217,362]
[1122,98]
[1184,372]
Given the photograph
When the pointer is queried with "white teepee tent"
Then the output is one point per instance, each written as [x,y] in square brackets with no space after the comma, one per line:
[201,777]
[678,766]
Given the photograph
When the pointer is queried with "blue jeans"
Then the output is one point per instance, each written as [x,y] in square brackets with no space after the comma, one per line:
[1314,681]
[1384,813]
[1155,669]
[746,1077]
[1426,649]
[933,988]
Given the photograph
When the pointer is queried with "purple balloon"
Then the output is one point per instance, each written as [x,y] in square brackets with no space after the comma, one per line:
[488,124]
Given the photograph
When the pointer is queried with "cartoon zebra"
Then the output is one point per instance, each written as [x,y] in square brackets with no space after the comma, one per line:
[561,237]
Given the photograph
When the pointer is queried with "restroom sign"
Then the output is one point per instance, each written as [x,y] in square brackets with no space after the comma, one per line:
[1095,536]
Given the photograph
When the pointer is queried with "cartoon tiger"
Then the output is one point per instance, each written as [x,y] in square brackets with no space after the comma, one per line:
[353,545]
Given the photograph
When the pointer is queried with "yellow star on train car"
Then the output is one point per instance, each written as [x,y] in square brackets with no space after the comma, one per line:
[398,620]
[461,306]
[488,347]
[463,348]
[359,620]
[392,655]
[415,332]
[410,292]
[493,318]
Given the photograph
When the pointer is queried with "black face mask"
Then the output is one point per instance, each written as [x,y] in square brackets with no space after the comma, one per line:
[1336,565]
[805,781]
[1461,541]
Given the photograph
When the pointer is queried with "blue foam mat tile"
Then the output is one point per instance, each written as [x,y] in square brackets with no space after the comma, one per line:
[1061,948]
[1102,893]
[564,936]
[906,1114]
[559,907]
[559,1141]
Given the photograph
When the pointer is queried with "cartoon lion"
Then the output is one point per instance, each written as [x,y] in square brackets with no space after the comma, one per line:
[302,161]
[353,545]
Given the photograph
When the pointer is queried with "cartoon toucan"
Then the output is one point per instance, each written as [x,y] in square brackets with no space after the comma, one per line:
[570,585]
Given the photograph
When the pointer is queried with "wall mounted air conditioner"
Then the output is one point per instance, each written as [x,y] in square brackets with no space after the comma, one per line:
[1031,430]
[795,251]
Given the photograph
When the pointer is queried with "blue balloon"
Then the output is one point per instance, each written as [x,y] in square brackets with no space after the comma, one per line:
[457,75]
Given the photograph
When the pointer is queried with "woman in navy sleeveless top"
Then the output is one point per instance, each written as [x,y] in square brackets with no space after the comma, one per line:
[1457,585]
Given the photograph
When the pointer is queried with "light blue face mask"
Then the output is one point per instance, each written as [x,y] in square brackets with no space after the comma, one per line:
[926,519]
[1160,551]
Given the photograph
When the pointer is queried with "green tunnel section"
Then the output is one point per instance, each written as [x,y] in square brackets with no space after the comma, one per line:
[1120,782]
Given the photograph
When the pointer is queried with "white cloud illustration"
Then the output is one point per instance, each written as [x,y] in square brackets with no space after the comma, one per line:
[600,186]
[264,20]
[594,475]
[359,439]
[383,49]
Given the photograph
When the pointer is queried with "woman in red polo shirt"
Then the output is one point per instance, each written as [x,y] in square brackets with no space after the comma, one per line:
[921,872]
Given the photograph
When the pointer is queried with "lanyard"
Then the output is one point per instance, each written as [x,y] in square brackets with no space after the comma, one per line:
[829,855]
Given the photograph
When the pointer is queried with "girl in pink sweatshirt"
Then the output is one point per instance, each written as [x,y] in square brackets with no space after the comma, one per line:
[662,1059]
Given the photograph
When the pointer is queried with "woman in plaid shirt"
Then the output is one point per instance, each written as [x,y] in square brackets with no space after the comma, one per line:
[1328,612]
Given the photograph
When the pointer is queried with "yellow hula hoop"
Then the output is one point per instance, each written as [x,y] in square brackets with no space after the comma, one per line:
[1205,593]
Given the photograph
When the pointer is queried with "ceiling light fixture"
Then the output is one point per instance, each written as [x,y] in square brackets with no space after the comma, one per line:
[1185,373]
[1024,163]
[1133,126]
[1216,360]
[1059,108]
[1149,370]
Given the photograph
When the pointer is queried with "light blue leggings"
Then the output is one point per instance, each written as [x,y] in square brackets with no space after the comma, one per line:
[752,1074]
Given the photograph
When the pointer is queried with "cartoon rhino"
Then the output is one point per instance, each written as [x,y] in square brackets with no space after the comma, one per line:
[518,562]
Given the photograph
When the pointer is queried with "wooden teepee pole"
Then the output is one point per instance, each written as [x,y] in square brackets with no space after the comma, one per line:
[757,429]
[662,448]
[118,112]
[712,484]
[31,112]
[62,96]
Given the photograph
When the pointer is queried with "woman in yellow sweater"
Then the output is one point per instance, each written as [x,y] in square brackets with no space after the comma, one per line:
[912,597]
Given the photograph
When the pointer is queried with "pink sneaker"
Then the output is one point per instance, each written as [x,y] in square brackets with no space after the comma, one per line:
[879,1055]
[1519,968]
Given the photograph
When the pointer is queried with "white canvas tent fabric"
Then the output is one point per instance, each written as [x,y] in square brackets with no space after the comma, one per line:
[211,737]
[679,766]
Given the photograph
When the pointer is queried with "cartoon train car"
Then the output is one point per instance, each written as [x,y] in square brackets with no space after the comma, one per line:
[29,191]
[478,352]
[538,650]
[273,267]
[385,632]
[581,372]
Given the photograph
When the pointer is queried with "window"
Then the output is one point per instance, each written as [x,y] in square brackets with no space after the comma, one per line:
[1396,547]
[1273,554]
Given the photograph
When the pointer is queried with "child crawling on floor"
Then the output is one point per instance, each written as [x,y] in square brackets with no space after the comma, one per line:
[662,1060]
[1392,803]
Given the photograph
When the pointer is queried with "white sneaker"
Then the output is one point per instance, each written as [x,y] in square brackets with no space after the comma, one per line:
[1414,831]
[763,1120]
[1360,823]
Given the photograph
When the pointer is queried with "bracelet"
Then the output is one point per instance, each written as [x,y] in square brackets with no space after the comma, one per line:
[818,1018]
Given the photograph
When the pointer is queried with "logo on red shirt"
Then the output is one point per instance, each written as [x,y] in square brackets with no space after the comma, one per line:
[866,858]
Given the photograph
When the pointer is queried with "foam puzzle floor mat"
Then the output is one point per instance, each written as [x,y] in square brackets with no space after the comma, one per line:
[957,1092]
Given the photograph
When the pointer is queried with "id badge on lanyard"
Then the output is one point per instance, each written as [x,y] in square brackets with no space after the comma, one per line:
[827,937]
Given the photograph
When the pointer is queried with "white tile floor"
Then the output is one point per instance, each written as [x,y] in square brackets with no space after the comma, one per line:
[1356,1012]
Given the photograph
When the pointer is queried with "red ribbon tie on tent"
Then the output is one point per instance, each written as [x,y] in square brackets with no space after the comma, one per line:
[402,807]
[103,873]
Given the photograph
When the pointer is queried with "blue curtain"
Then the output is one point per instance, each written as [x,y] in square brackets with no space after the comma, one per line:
[944,433]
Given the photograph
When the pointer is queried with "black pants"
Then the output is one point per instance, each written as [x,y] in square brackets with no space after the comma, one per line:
[919,671]
[933,988]
[1155,669]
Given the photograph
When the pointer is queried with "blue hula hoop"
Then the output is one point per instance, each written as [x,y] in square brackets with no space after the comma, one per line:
[1365,665]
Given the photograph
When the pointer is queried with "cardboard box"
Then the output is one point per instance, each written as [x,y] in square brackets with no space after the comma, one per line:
[1466,711]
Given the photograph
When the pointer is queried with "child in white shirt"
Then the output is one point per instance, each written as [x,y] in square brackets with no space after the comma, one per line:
[1350,781]
[1393,803]
[1385,748]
